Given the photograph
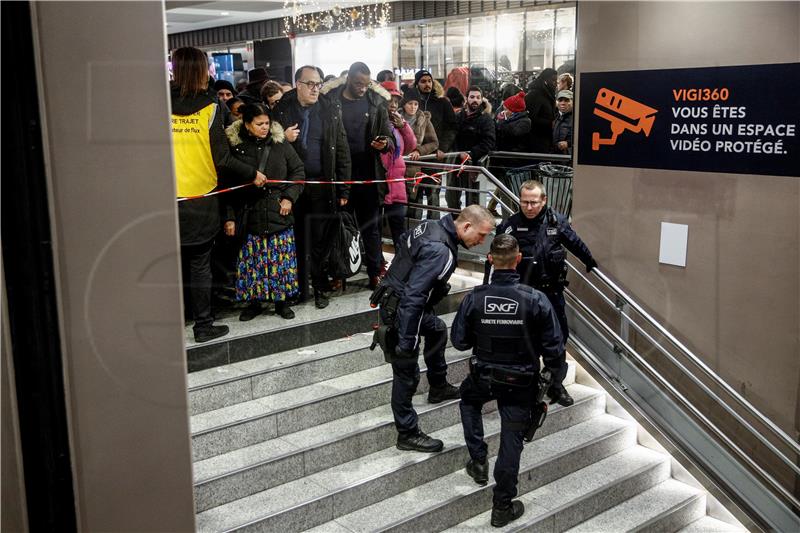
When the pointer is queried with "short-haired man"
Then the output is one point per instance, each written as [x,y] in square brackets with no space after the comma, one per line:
[562,127]
[313,125]
[366,123]
[416,281]
[506,342]
[475,138]
[385,75]
[544,237]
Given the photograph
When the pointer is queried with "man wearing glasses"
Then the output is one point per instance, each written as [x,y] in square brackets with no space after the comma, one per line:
[544,237]
[313,124]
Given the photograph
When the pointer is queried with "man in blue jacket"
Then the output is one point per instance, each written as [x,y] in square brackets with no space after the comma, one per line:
[508,326]
[416,281]
[544,237]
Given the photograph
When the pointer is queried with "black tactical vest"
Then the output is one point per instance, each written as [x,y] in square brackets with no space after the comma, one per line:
[498,321]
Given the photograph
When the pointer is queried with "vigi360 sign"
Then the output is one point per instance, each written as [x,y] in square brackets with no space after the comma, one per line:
[717,119]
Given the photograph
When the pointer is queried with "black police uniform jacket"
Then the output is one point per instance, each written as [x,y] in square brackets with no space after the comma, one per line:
[544,241]
[336,164]
[425,261]
[508,325]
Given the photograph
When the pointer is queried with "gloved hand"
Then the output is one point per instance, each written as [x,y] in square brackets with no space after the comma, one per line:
[590,264]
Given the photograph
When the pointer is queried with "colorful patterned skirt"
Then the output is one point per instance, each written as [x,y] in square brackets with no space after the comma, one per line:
[267,269]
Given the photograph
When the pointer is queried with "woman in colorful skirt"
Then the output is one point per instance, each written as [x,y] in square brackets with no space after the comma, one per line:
[267,267]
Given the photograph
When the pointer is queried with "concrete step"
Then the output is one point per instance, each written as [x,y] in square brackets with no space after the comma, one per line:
[261,419]
[225,478]
[711,525]
[444,501]
[578,496]
[669,506]
[348,313]
[227,385]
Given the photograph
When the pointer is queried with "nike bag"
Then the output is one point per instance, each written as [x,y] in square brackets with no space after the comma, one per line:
[344,260]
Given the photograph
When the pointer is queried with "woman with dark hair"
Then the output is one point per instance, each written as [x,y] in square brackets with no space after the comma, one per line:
[271,92]
[267,268]
[200,147]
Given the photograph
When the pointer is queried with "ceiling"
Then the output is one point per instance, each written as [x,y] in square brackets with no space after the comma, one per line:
[188,15]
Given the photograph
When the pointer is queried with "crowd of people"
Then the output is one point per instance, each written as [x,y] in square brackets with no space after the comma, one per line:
[269,242]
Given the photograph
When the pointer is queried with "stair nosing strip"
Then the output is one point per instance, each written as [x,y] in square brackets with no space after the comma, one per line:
[671,510]
[304,404]
[611,434]
[492,483]
[344,437]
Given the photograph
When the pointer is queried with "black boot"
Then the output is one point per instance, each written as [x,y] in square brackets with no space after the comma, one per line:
[479,471]
[283,310]
[442,393]
[503,515]
[558,394]
[419,442]
[250,312]
[209,332]
[320,300]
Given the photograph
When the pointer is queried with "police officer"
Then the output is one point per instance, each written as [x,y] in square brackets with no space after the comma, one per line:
[543,234]
[508,326]
[416,281]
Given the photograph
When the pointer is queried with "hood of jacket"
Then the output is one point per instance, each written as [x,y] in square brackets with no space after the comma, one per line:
[234,132]
[338,84]
[485,108]
[187,105]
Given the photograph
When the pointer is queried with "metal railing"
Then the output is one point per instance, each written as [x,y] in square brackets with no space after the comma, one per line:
[622,304]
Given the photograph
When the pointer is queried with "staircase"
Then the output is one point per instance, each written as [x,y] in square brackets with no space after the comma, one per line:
[292,431]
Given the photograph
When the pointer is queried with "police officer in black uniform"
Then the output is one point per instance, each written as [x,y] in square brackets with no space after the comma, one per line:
[543,234]
[508,326]
[416,281]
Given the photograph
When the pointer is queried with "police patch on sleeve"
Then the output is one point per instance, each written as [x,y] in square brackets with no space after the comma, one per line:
[419,230]
[552,231]
[509,230]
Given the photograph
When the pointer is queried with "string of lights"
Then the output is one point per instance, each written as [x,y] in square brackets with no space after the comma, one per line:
[368,18]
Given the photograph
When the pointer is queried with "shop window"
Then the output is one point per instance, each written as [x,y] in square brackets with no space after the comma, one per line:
[564,42]
[510,38]
[482,43]
[457,44]
[433,49]
[539,40]
[410,52]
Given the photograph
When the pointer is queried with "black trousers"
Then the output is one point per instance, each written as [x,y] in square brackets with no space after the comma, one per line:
[514,416]
[464,181]
[396,218]
[559,304]
[196,267]
[364,205]
[315,220]
[406,372]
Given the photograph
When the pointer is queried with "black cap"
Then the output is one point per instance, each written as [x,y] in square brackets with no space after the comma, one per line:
[223,84]
[419,74]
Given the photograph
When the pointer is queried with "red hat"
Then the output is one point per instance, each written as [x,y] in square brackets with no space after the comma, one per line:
[516,103]
[392,88]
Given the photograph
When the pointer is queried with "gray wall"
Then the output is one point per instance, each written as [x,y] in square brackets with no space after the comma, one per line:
[736,302]
[105,110]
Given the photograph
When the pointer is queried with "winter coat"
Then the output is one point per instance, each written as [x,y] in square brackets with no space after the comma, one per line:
[378,122]
[562,131]
[335,154]
[259,208]
[199,219]
[442,116]
[405,143]
[476,134]
[541,106]
[514,133]
[427,140]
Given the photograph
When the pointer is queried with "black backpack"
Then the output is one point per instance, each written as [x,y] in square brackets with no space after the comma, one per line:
[344,260]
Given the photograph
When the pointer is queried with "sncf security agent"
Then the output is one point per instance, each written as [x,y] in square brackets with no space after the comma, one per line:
[508,326]
[416,281]
[544,237]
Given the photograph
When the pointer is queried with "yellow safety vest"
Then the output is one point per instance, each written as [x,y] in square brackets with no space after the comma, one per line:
[194,166]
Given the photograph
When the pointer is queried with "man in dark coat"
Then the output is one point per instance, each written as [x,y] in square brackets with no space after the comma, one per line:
[366,123]
[475,138]
[442,116]
[562,128]
[541,105]
[314,127]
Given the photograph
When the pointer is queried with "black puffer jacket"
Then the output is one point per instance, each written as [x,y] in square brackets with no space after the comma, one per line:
[336,164]
[475,134]
[541,106]
[442,115]
[514,133]
[258,209]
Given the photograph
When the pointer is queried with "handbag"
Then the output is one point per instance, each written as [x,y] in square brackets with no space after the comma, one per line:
[344,256]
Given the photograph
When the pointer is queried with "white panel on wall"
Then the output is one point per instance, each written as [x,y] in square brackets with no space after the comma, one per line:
[674,241]
[335,52]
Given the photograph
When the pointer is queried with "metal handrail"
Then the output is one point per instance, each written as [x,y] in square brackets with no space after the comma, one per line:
[705,388]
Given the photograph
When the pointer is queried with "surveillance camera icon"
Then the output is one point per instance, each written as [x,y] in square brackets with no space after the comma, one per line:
[623,114]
